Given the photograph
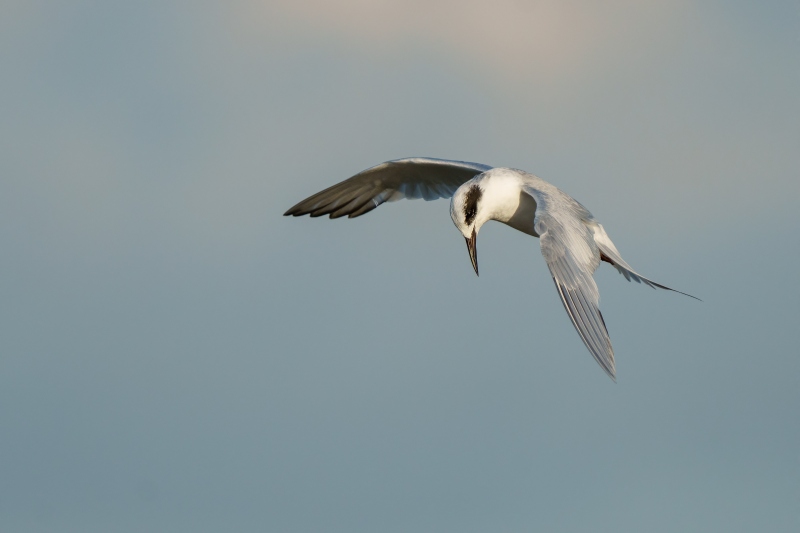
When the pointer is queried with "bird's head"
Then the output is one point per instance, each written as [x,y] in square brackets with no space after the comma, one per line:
[465,210]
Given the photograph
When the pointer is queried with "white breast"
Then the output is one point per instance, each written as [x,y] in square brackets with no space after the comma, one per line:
[505,201]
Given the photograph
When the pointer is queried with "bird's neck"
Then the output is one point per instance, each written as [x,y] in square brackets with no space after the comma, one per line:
[511,206]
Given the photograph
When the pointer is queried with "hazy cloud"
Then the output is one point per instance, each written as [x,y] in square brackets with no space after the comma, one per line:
[550,40]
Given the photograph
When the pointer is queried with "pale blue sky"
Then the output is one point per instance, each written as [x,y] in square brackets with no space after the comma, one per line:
[177,356]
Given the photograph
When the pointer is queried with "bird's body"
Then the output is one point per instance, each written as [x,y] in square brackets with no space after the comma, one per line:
[504,199]
[572,242]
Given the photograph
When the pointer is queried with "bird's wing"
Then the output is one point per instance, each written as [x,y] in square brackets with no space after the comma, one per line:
[418,177]
[570,252]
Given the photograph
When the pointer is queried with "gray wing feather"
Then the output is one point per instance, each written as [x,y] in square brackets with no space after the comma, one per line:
[572,257]
[418,177]
[572,275]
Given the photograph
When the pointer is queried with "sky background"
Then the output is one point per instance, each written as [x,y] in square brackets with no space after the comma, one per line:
[175,355]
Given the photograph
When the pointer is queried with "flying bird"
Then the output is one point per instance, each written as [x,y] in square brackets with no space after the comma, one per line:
[572,242]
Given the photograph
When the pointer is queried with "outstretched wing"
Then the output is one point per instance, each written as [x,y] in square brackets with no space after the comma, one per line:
[572,256]
[417,177]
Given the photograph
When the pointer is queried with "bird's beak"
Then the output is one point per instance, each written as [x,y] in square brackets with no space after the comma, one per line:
[473,252]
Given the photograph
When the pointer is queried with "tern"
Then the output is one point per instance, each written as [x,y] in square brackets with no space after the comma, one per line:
[573,243]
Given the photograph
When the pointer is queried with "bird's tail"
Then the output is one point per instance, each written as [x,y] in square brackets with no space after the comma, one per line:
[609,254]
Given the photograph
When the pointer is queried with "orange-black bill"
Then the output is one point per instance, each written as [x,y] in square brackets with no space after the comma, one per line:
[473,252]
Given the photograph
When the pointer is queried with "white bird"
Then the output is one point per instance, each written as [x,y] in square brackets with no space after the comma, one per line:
[573,243]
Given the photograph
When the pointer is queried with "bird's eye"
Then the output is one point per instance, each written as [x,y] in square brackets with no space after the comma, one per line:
[471,203]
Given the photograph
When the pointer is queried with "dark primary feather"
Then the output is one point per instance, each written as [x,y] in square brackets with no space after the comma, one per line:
[412,178]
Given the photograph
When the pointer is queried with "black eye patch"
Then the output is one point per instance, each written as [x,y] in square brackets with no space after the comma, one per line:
[471,203]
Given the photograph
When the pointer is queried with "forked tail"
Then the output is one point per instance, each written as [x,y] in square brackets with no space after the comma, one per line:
[609,254]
